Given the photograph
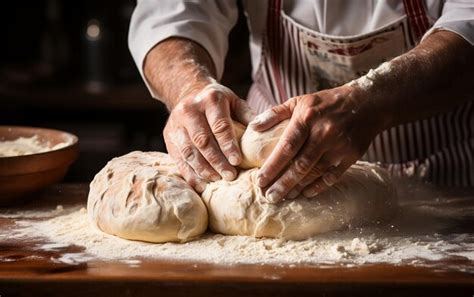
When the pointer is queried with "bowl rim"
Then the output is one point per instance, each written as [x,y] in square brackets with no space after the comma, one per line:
[74,142]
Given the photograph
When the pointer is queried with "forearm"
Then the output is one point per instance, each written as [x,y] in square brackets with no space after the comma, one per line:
[177,67]
[432,78]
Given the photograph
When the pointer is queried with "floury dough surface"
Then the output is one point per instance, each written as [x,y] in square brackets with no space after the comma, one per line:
[257,146]
[363,196]
[26,146]
[141,196]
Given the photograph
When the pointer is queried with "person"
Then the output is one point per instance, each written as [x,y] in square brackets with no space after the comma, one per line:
[315,63]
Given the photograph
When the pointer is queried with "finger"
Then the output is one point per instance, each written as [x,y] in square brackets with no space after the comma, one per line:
[191,155]
[203,139]
[220,121]
[242,111]
[301,166]
[329,178]
[328,161]
[273,116]
[287,147]
[186,171]
[190,176]
[317,169]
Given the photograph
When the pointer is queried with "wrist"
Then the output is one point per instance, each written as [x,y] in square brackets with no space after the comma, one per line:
[177,67]
[373,104]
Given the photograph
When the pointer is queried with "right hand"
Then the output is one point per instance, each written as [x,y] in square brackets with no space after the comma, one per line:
[199,134]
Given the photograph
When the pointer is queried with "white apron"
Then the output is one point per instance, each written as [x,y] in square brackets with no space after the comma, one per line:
[297,60]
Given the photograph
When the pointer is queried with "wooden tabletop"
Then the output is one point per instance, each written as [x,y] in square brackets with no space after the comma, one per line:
[25,271]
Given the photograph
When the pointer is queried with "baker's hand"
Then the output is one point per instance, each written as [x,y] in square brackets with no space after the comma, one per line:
[328,132]
[199,134]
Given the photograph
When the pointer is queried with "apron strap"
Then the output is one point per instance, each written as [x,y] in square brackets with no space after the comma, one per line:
[417,19]
[274,37]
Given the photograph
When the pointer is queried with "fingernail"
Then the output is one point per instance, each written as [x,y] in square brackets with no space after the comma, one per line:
[234,159]
[257,120]
[293,194]
[227,175]
[254,123]
[200,187]
[310,193]
[273,196]
[261,181]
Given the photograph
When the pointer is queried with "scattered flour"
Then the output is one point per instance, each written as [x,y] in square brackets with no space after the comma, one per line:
[26,146]
[421,235]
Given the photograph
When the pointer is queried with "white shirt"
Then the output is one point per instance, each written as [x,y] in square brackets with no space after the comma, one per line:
[208,22]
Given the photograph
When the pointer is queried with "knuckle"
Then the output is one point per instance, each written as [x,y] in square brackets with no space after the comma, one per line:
[310,114]
[182,108]
[330,178]
[286,183]
[221,127]
[214,97]
[185,171]
[200,139]
[188,153]
[289,146]
[302,166]
[215,160]
[330,128]
[317,170]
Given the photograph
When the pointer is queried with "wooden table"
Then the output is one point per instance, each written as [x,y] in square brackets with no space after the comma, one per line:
[28,272]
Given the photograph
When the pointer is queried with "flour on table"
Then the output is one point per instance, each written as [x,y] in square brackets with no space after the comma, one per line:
[142,196]
[426,232]
[26,146]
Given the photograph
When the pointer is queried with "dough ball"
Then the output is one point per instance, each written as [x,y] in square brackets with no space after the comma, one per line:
[141,196]
[363,195]
[257,146]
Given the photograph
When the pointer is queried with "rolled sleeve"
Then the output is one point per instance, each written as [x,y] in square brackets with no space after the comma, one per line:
[457,17]
[206,22]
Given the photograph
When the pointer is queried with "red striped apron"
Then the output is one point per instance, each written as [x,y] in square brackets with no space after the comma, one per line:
[438,150]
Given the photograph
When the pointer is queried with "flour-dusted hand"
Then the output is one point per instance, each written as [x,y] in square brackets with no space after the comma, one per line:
[199,133]
[200,137]
[328,132]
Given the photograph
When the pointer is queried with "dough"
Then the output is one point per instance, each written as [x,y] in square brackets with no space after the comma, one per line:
[257,146]
[363,195]
[141,196]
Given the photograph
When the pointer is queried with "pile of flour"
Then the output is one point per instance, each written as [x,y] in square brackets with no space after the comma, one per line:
[426,232]
[26,146]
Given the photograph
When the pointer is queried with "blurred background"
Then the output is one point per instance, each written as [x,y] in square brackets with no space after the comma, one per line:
[66,65]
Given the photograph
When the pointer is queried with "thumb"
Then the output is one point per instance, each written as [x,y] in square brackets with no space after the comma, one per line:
[271,117]
[243,112]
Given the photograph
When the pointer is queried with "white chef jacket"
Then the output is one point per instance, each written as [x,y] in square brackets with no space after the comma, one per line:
[208,22]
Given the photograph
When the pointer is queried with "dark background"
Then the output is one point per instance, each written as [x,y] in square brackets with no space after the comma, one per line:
[54,75]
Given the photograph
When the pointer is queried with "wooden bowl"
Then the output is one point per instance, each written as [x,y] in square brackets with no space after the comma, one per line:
[21,176]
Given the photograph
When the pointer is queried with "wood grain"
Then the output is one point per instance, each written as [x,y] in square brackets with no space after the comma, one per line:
[25,271]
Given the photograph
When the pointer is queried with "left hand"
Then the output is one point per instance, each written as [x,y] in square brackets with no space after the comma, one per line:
[327,133]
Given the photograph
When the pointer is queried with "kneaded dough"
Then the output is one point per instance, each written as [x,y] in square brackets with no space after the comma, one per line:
[141,196]
[363,195]
[257,146]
